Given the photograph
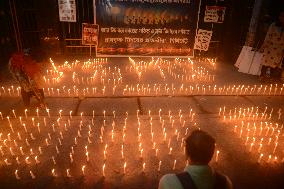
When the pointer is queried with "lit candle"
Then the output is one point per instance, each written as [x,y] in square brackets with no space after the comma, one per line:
[7,162]
[36,159]
[159,168]
[53,159]
[269,158]
[26,115]
[32,175]
[83,169]
[251,145]
[124,168]
[71,158]
[174,166]
[141,153]
[157,150]
[68,173]
[47,110]
[104,165]
[259,149]
[144,165]
[14,113]
[60,112]
[87,156]
[53,173]
[16,175]
[27,160]
[70,114]
[170,152]
[276,143]
[217,155]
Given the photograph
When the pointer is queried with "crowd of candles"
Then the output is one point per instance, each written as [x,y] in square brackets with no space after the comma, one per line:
[157,77]
[35,143]
[261,131]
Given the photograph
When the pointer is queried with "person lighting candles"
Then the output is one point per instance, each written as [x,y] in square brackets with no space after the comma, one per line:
[26,70]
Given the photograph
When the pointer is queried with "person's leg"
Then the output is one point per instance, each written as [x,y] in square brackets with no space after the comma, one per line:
[263,74]
[276,73]
[41,93]
[41,102]
[264,70]
[26,97]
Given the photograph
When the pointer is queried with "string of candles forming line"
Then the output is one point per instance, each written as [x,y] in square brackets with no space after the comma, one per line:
[181,70]
[98,70]
[152,90]
[36,144]
[177,77]
[261,131]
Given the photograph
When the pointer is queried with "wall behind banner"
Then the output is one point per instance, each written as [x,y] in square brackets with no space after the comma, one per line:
[39,25]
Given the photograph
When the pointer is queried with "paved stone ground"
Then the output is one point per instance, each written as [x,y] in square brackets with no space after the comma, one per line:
[238,137]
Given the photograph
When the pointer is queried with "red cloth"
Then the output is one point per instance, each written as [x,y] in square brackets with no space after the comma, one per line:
[17,61]
[31,68]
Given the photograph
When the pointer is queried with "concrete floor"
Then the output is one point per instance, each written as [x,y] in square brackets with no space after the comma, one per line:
[235,159]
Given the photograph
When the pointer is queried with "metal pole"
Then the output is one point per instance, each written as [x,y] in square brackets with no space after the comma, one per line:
[14,25]
[95,21]
[17,24]
[95,11]
[250,40]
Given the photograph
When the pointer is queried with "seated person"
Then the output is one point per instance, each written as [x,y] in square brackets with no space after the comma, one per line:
[200,148]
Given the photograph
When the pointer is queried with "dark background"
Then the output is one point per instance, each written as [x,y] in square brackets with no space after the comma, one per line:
[38,25]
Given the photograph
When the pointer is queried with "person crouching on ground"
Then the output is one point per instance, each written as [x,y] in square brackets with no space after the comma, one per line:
[27,72]
[198,174]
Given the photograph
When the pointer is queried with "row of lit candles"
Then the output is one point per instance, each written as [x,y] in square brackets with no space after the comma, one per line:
[257,131]
[165,88]
[27,160]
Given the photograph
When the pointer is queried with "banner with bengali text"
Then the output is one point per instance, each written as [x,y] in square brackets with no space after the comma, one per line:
[147,27]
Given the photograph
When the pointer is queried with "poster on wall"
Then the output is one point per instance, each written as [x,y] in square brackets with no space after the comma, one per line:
[214,14]
[147,27]
[67,10]
[90,34]
[202,40]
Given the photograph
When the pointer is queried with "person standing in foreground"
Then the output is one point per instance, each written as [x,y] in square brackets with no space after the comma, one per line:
[198,174]
[27,72]
[273,49]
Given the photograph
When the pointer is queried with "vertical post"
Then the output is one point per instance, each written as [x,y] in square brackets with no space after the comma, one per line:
[253,23]
[13,11]
[95,11]
[197,24]
[90,50]
[95,21]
